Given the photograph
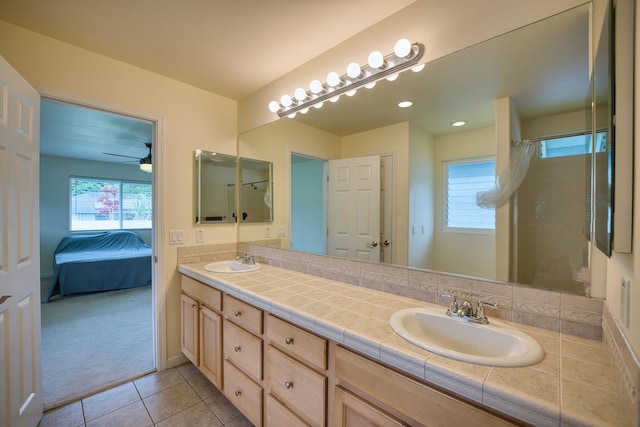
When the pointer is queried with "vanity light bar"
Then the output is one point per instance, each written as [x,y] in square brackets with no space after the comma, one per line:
[378,68]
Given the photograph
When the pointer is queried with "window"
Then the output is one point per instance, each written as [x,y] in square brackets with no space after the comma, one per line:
[103,204]
[572,145]
[462,181]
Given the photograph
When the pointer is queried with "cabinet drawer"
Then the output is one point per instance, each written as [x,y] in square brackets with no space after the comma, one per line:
[417,401]
[279,416]
[297,342]
[207,295]
[243,393]
[244,349]
[300,388]
[243,314]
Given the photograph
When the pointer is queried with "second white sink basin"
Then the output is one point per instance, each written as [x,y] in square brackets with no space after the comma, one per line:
[230,267]
[495,344]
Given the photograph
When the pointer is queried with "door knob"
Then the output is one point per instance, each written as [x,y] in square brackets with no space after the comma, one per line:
[386,243]
[372,244]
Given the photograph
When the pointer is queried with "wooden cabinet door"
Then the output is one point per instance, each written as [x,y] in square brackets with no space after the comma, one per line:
[189,328]
[211,345]
[352,411]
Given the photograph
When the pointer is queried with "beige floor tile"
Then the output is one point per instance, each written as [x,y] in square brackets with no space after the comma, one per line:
[240,421]
[132,415]
[189,371]
[158,381]
[109,400]
[203,387]
[171,401]
[198,415]
[66,416]
[222,408]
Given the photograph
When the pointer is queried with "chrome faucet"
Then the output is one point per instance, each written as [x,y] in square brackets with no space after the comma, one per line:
[246,259]
[466,311]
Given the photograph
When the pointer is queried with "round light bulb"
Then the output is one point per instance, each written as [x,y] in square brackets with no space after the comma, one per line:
[318,105]
[376,60]
[274,106]
[333,79]
[370,85]
[335,98]
[304,110]
[418,68]
[292,115]
[405,104]
[402,49]
[300,94]
[353,70]
[315,86]
[286,101]
[351,92]
[392,77]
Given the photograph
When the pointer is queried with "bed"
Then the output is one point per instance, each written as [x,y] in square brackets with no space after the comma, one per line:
[100,262]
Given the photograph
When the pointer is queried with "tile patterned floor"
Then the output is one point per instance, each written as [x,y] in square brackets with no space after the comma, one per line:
[176,397]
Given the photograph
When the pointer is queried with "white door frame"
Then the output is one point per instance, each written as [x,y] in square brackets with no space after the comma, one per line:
[157,271]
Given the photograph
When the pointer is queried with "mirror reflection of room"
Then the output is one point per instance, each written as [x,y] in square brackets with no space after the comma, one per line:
[505,94]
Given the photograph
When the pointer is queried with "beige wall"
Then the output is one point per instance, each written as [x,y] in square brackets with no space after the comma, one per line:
[471,254]
[193,118]
[275,143]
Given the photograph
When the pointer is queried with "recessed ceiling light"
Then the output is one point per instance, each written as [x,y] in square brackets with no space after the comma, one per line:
[458,124]
[405,104]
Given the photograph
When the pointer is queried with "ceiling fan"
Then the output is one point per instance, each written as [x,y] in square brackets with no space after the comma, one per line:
[145,162]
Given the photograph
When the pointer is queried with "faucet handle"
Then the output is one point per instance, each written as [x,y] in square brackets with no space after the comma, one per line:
[480,314]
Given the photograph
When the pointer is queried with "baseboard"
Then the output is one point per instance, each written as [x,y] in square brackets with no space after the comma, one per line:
[174,361]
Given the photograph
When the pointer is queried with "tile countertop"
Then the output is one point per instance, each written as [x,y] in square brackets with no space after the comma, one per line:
[574,384]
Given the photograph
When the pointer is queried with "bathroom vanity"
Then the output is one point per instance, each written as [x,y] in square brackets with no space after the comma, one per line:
[300,350]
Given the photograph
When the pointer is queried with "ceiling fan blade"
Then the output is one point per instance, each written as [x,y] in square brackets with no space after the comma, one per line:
[121,155]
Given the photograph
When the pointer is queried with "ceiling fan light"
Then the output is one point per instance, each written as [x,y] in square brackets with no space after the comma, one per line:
[146,167]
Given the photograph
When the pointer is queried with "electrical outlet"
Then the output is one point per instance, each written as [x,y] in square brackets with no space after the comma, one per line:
[199,236]
[625,306]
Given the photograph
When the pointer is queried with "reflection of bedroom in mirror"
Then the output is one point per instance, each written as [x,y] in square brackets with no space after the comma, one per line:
[505,93]
[96,218]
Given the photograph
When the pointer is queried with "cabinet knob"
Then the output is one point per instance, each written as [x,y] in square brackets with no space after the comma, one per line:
[288,340]
[193,305]
[288,385]
[238,393]
[237,313]
[237,349]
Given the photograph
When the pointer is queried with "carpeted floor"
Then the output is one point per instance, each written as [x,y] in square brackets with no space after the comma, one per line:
[92,342]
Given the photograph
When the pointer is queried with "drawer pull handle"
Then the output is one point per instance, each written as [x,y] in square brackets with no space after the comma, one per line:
[237,313]
[237,349]
[288,341]
[288,385]
[238,393]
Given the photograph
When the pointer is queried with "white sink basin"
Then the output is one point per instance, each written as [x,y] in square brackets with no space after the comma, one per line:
[230,267]
[495,344]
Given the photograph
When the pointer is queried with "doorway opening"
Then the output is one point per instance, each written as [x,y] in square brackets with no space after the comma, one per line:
[93,182]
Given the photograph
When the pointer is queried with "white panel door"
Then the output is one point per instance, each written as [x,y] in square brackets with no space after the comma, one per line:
[354,208]
[20,351]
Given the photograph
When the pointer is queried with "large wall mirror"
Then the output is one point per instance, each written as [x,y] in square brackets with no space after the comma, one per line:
[256,195]
[529,84]
[215,187]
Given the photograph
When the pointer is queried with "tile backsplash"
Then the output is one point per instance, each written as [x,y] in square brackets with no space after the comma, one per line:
[566,313]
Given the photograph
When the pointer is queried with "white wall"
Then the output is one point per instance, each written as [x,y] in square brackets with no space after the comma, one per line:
[54,198]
